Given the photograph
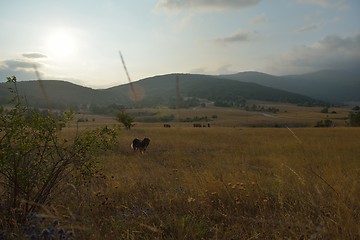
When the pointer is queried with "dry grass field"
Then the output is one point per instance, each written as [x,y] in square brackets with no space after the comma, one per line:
[228,181]
[289,115]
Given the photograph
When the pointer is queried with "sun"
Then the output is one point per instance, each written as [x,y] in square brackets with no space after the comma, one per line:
[61,44]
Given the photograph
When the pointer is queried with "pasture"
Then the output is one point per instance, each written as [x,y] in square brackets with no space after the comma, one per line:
[228,181]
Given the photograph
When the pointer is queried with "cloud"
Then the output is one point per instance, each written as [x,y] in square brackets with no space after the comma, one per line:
[340,4]
[242,36]
[20,74]
[225,69]
[34,55]
[258,20]
[22,69]
[17,64]
[208,5]
[332,52]
[184,21]
[317,2]
[222,69]
[307,28]
[319,24]
[200,70]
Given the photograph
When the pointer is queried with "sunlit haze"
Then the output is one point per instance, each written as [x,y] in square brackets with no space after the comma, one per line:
[79,41]
[61,44]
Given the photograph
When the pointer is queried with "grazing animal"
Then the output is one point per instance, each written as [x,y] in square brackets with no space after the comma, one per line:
[197,125]
[141,145]
[167,125]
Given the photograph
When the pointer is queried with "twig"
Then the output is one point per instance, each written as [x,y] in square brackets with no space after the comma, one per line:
[128,76]
[42,87]
[293,134]
[313,172]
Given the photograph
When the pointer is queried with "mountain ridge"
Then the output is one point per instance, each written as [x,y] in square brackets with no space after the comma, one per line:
[336,86]
[160,90]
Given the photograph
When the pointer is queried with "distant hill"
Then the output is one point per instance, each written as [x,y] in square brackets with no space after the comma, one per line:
[161,89]
[328,85]
[152,92]
[60,93]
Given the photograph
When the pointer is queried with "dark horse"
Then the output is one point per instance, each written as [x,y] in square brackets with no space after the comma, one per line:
[141,145]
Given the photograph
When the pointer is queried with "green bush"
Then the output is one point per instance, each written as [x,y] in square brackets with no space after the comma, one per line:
[125,119]
[35,162]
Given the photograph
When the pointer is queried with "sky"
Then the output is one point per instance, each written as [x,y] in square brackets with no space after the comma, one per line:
[80,41]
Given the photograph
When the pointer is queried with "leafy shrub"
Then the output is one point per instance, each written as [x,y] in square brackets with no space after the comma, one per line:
[35,162]
[125,119]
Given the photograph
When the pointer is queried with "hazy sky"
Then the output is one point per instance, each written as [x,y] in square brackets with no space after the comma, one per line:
[79,41]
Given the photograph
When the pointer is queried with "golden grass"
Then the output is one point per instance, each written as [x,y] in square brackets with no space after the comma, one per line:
[222,183]
[295,116]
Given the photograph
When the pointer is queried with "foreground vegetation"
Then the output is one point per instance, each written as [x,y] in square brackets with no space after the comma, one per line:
[220,183]
[36,163]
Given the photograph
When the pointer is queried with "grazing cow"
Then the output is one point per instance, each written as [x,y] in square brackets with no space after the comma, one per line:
[197,125]
[141,145]
[167,125]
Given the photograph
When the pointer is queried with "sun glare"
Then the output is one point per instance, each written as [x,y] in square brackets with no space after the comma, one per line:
[61,44]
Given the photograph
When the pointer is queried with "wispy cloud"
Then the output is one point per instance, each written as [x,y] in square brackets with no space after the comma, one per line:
[222,69]
[307,28]
[185,21]
[317,2]
[18,64]
[23,69]
[206,4]
[340,4]
[259,19]
[225,69]
[34,55]
[241,36]
[317,25]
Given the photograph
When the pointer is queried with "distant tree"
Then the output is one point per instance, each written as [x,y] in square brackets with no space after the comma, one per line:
[96,109]
[273,109]
[167,118]
[125,119]
[325,110]
[240,102]
[354,118]
[324,123]
[356,108]
[222,103]
[106,110]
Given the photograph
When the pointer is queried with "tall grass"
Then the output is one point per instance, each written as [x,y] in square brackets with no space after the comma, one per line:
[222,183]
